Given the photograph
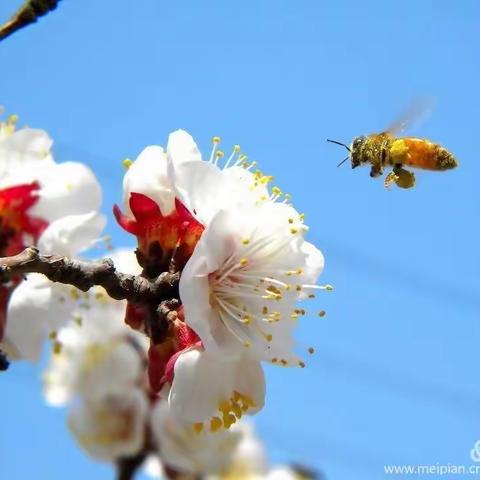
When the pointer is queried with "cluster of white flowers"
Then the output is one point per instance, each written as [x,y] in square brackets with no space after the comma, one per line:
[244,264]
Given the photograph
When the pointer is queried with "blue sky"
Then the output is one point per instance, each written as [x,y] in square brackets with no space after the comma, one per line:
[394,378]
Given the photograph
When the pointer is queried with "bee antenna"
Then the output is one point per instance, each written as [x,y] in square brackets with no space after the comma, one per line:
[343,161]
[339,143]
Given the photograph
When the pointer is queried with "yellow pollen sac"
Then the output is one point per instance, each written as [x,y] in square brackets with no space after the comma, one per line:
[290,220]
[246,241]
[312,295]
[264,310]
[274,360]
[283,362]
[215,424]
[236,148]
[329,287]
[247,320]
[322,313]
[302,217]
[276,190]
[219,154]
[299,271]
[294,316]
[311,350]
[127,163]
[301,364]
[294,231]
[216,140]
[198,427]
[53,335]
[269,337]
[298,288]
[247,344]
[243,262]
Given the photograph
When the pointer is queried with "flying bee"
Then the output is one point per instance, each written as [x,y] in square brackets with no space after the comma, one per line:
[380,150]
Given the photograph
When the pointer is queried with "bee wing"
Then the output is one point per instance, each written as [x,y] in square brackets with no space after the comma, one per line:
[417,112]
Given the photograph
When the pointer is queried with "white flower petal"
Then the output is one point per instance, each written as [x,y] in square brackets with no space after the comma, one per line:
[36,308]
[71,234]
[203,382]
[22,154]
[188,451]
[148,175]
[111,427]
[182,148]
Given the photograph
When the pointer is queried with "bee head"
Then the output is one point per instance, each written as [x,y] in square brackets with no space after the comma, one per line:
[356,151]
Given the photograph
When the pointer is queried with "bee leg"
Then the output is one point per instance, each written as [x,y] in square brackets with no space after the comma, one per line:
[390,179]
[376,171]
[404,178]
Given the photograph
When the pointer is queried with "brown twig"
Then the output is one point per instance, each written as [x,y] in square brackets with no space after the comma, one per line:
[128,466]
[84,275]
[27,14]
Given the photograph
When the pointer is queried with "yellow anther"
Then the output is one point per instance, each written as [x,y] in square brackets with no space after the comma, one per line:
[328,287]
[269,337]
[247,344]
[283,362]
[219,154]
[290,220]
[274,360]
[53,335]
[312,295]
[198,427]
[311,350]
[236,148]
[302,217]
[215,424]
[264,310]
[229,420]
[12,119]
[216,140]
[298,288]
[243,262]
[294,316]
[247,320]
[57,347]
[322,313]
[294,231]
[299,271]
[276,190]
[301,364]
[127,163]
[246,241]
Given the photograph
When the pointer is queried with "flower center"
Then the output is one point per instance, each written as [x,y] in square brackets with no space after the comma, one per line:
[253,290]
[165,242]
[229,411]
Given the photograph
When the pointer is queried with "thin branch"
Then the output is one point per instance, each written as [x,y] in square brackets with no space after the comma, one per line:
[128,466]
[84,275]
[27,14]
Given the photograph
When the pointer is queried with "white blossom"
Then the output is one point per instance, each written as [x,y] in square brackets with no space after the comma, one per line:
[54,206]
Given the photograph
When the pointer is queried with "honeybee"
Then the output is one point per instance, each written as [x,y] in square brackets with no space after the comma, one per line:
[386,149]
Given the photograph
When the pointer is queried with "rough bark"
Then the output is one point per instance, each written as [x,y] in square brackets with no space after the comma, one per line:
[84,275]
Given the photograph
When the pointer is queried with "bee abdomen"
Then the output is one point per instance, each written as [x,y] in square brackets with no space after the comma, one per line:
[427,155]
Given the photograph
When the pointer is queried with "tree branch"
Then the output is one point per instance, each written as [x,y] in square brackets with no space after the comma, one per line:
[28,13]
[84,275]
